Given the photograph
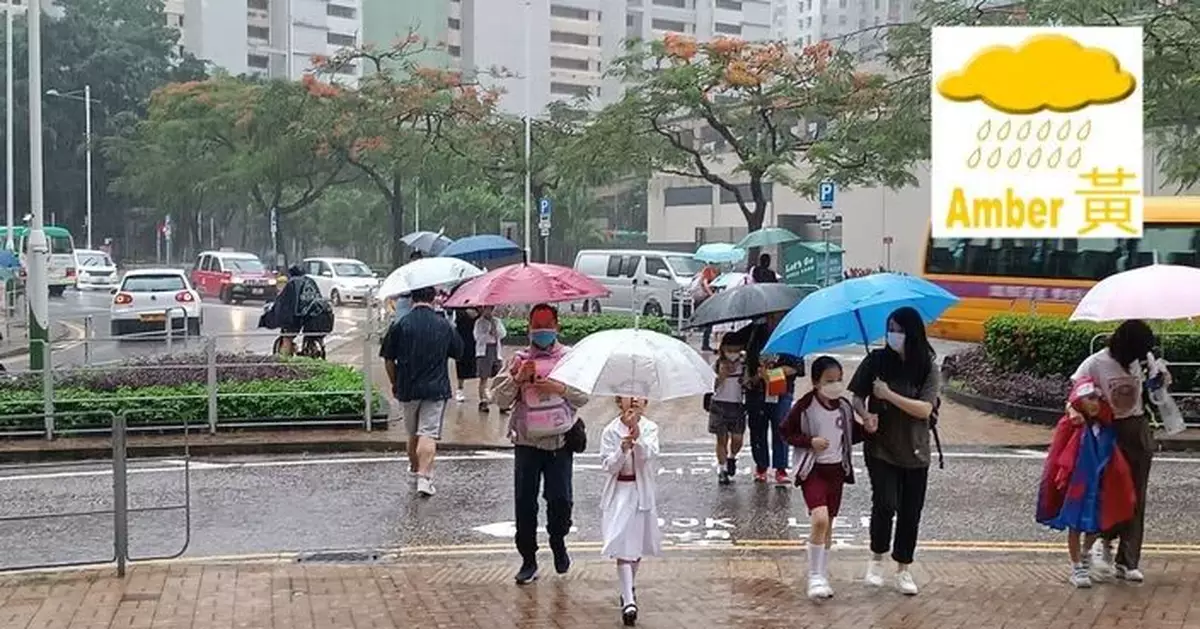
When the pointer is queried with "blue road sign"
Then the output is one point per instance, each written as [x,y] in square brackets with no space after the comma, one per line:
[825,194]
[544,209]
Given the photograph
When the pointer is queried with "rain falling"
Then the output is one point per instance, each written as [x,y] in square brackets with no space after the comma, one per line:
[1052,144]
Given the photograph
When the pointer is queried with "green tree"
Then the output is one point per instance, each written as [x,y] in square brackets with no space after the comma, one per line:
[738,114]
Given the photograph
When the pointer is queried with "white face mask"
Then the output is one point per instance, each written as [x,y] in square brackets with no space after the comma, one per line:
[895,340]
[832,390]
[732,356]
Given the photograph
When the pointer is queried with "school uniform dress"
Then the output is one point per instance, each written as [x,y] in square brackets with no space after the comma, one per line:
[822,475]
[628,509]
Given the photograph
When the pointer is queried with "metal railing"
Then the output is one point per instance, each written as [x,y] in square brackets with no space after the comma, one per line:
[120,509]
[1177,391]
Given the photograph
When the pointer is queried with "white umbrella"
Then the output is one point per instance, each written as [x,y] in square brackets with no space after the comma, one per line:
[636,363]
[427,273]
[1158,291]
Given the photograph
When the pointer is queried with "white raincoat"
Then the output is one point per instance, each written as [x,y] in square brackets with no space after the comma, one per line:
[628,510]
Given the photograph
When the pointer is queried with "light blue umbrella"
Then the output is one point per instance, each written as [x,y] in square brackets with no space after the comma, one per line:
[767,237]
[854,312]
[719,253]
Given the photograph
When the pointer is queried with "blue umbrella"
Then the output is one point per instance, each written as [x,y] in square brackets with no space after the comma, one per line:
[719,253]
[483,247]
[854,312]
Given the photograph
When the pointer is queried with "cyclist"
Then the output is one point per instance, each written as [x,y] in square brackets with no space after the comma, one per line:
[298,308]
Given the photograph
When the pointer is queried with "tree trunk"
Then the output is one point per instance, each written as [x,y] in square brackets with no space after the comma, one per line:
[396,217]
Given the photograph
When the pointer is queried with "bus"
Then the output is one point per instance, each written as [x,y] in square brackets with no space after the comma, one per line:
[60,267]
[1048,277]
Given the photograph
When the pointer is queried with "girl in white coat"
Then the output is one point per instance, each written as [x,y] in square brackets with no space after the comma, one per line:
[629,514]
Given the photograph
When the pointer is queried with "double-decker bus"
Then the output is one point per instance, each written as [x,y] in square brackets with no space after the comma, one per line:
[994,276]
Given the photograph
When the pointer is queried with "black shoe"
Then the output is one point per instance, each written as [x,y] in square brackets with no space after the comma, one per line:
[484,407]
[723,478]
[629,614]
[562,561]
[527,574]
[731,466]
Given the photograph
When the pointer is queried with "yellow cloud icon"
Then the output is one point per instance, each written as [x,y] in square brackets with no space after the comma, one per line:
[1046,72]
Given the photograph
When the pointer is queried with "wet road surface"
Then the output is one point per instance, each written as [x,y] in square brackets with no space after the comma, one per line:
[246,506]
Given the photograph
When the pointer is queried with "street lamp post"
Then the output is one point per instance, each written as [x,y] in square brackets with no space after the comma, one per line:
[528,88]
[8,120]
[36,289]
[87,134]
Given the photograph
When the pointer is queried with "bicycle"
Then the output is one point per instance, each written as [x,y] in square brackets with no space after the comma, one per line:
[311,346]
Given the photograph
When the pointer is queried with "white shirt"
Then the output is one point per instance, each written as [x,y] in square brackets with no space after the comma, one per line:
[488,334]
[825,425]
[731,388]
[1121,386]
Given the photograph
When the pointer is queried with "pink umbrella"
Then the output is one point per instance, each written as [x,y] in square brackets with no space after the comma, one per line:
[523,284]
[1158,291]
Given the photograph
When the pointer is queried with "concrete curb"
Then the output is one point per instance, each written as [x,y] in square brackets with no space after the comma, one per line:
[84,453]
[59,332]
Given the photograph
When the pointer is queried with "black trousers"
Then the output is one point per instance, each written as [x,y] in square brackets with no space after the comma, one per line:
[530,467]
[897,493]
[1136,441]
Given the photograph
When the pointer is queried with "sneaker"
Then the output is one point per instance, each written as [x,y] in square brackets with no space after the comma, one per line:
[818,588]
[484,407]
[731,466]
[527,574]
[1101,568]
[1079,577]
[760,476]
[425,486]
[906,584]
[460,397]
[1133,575]
[723,478]
[781,478]
[629,614]
[874,576]
[562,560]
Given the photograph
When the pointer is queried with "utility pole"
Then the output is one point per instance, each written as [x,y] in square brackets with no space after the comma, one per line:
[36,290]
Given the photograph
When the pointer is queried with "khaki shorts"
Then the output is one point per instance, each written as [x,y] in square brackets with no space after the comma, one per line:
[726,418]
[424,418]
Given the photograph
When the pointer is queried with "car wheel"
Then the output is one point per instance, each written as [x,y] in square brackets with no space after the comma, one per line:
[652,309]
[595,306]
[57,291]
[335,297]
[193,326]
[115,329]
[226,296]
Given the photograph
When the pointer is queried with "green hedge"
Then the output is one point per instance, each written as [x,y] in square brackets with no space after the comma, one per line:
[331,389]
[572,328]
[1044,345]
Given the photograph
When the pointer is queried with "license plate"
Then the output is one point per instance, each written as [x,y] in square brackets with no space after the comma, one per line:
[256,291]
[153,317]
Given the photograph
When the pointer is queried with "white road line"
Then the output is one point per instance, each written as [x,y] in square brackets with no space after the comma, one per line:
[200,466]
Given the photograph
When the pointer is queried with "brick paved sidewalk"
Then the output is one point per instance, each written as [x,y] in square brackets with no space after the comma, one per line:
[750,591]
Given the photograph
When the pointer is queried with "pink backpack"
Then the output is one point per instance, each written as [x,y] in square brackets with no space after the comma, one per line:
[543,415]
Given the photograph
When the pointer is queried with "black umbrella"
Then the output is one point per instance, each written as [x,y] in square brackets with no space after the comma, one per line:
[745,302]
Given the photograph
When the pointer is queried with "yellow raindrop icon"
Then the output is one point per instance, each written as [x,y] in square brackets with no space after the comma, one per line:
[1014,158]
[1084,131]
[994,159]
[1075,158]
[1055,158]
[1035,158]
[1024,130]
[1064,132]
[1004,131]
[984,131]
[1044,131]
[975,157]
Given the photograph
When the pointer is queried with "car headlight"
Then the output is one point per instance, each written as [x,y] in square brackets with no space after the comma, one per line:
[237,280]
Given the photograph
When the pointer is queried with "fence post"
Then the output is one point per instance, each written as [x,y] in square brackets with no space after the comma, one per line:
[88,330]
[120,495]
[368,380]
[47,389]
[170,330]
[210,356]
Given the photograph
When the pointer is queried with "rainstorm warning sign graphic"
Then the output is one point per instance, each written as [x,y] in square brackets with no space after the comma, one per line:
[1037,132]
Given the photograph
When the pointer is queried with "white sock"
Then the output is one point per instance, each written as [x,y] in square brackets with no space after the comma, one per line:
[824,560]
[815,555]
[625,573]
[635,566]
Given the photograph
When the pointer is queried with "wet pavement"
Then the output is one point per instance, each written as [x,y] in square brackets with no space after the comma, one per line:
[682,590]
[982,498]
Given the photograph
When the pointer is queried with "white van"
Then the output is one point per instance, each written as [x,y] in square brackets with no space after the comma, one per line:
[654,283]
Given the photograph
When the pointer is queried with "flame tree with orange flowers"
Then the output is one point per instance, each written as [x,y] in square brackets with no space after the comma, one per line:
[738,114]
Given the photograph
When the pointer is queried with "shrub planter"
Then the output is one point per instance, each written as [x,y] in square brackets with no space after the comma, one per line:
[1008,410]
[573,328]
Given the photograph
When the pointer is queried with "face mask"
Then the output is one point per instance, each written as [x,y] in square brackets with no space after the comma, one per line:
[543,339]
[895,340]
[732,356]
[832,390]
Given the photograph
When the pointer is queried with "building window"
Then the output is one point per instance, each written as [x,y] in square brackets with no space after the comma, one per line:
[261,5]
[877,2]
[862,23]
[632,19]
[841,20]
[841,4]
[339,39]
[258,32]
[455,51]
[348,69]
[570,89]
[337,10]
[688,195]
[732,5]
[768,189]
[454,23]
[571,13]
[673,26]
[564,63]
[258,61]
[728,29]
[678,4]
[575,39]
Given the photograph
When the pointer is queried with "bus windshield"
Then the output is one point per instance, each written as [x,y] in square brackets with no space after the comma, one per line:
[1067,259]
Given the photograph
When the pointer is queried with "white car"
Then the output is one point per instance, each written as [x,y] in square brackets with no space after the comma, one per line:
[342,280]
[145,298]
[94,269]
